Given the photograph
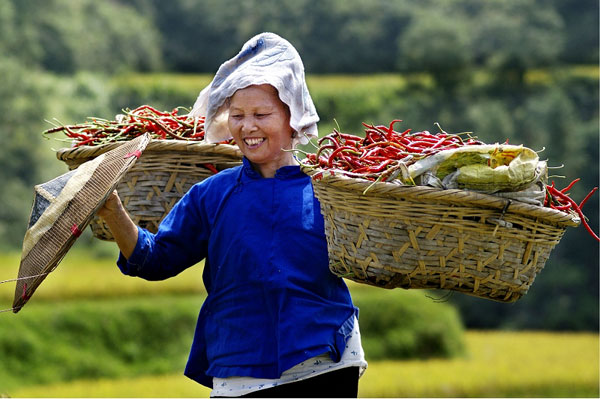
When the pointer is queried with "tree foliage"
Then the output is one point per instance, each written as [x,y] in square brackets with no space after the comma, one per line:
[379,35]
[332,35]
[65,36]
[21,107]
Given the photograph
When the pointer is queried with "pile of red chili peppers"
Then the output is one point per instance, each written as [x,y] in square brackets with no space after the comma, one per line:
[144,119]
[381,152]
[560,200]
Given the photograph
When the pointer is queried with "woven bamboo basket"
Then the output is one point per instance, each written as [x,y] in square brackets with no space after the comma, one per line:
[396,236]
[166,170]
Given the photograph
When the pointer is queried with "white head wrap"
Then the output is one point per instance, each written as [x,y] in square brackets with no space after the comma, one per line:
[264,59]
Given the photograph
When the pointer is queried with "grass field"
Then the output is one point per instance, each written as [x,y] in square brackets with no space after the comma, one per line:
[82,276]
[499,364]
[323,82]
[340,81]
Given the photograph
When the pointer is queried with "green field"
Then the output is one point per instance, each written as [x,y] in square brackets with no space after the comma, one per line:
[498,364]
[81,276]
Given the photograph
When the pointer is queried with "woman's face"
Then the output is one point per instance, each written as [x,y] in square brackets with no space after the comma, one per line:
[260,124]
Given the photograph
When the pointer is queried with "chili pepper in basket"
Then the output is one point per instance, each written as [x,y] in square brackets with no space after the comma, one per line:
[560,200]
[380,149]
[383,153]
[587,197]
[143,119]
[210,167]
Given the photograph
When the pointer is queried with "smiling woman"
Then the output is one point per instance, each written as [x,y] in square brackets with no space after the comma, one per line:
[260,124]
[276,322]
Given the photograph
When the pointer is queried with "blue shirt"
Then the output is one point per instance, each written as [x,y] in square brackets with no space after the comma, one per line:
[272,301]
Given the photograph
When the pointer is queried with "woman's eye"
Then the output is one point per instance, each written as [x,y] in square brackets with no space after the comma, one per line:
[236,116]
[262,115]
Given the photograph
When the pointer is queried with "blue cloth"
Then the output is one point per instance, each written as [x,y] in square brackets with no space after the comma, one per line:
[272,301]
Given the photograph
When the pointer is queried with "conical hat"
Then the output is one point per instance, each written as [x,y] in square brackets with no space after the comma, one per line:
[62,209]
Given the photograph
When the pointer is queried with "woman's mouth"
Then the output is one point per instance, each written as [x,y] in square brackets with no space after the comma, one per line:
[252,142]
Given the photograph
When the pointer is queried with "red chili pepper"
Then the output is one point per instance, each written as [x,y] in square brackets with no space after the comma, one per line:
[210,167]
[326,147]
[570,186]
[348,137]
[352,160]
[390,128]
[563,208]
[373,131]
[404,133]
[587,197]
[361,170]
[380,167]
[329,137]
[340,149]
[85,142]
[128,129]
[149,108]
[562,196]
[440,142]
[376,158]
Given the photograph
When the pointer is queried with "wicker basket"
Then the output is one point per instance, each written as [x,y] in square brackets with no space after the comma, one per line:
[166,170]
[423,237]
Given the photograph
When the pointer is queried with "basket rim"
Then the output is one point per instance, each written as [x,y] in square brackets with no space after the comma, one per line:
[433,194]
[154,145]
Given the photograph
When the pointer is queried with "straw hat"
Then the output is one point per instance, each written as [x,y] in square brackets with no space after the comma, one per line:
[62,209]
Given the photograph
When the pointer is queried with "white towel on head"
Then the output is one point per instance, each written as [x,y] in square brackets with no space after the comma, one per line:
[265,59]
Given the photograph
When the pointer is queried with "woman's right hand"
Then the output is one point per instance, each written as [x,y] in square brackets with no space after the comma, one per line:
[121,226]
[111,207]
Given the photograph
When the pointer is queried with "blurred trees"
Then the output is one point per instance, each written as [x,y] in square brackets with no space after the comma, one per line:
[361,36]
[333,36]
[65,36]
[61,37]
[21,108]
[356,36]
[581,47]
[432,43]
[514,36]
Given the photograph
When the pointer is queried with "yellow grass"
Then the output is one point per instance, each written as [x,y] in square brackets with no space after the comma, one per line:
[340,82]
[183,82]
[81,276]
[321,83]
[499,364]
[163,386]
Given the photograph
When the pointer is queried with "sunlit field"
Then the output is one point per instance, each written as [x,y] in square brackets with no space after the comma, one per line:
[498,364]
[81,276]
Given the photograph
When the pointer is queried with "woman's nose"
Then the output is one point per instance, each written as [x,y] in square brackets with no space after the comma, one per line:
[248,124]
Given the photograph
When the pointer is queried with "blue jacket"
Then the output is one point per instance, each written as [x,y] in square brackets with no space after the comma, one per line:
[272,301]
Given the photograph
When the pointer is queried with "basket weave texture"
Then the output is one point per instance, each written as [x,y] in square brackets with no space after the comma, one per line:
[422,237]
[166,170]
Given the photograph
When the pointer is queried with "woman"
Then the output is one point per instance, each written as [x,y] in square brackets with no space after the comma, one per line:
[275,322]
